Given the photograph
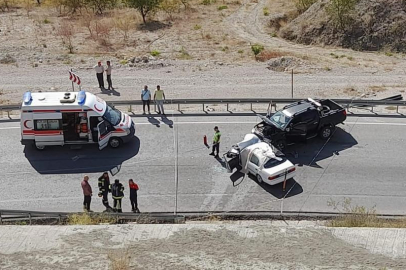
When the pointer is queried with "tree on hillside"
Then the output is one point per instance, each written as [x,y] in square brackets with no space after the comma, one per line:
[99,6]
[144,6]
[342,12]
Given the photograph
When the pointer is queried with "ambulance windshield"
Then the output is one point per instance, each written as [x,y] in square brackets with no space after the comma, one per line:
[112,115]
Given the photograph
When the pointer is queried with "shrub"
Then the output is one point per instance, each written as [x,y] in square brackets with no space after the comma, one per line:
[123,62]
[184,55]
[240,51]
[155,53]
[341,11]
[66,32]
[124,25]
[266,11]
[222,7]
[208,2]
[256,49]
[303,5]
[145,7]
[197,27]
[99,6]
[46,21]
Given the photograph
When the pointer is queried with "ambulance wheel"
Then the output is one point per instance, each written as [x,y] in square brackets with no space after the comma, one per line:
[115,142]
[39,147]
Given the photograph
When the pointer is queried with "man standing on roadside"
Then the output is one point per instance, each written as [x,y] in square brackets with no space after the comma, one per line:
[87,192]
[117,190]
[216,142]
[133,196]
[108,75]
[159,98]
[99,74]
[146,98]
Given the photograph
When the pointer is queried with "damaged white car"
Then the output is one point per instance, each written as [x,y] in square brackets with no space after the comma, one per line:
[261,159]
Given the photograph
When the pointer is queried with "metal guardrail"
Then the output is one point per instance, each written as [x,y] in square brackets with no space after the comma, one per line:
[348,103]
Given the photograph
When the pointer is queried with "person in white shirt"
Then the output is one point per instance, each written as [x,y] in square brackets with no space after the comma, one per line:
[108,75]
[99,73]
[146,98]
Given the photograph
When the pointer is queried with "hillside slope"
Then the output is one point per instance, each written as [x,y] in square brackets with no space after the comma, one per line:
[377,25]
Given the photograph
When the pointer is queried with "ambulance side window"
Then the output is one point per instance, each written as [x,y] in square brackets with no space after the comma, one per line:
[53,124]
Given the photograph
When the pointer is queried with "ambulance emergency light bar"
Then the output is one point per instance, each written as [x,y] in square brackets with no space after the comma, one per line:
[81,97]
[27,98]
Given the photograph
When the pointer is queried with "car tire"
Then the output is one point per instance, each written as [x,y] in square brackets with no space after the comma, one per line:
[259,178]
[39,147]
[326,132]
[281,145]
[115,142]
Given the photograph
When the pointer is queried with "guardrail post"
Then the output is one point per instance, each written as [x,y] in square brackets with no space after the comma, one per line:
[397,109]
[251,106]
[131,108]
[372,108]
[178,107]
[1,219]
[203,106]
[227,107]
[29,216]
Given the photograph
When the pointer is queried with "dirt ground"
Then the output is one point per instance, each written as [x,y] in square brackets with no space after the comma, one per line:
[243,246]
[204,52]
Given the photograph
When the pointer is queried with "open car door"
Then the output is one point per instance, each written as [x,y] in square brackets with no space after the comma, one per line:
[103,134]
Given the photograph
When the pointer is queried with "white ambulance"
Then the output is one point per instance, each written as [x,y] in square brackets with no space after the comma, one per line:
[58,118]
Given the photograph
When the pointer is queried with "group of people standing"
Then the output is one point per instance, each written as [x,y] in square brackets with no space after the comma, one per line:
[159,95]
[117,191]
[99,68]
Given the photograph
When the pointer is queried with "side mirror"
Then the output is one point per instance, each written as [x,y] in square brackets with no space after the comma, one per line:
[115,170]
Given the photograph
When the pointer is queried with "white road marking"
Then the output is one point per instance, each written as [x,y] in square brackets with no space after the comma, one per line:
[233,123]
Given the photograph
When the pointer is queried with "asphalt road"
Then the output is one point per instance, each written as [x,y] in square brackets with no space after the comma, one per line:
[364,161]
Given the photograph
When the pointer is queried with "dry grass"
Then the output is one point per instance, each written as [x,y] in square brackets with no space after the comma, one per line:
[360,216]
[378,88]
[119,260]
[267,55]
[89,219]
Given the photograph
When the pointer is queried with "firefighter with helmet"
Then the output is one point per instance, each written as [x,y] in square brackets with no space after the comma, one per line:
[104,189]
[117,190]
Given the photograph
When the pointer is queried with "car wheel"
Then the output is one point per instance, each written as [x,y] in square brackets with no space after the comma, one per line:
[259,178]
[39,147]
[115,142]
[281,145]
[326,132]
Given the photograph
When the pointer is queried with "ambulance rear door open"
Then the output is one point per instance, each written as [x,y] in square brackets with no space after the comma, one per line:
[104,134]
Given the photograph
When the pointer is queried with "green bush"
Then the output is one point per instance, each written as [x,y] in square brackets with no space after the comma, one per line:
[266,11]
[222,7]
[257,49]
[342,12]
[197,27]
[208,2]
[155,53]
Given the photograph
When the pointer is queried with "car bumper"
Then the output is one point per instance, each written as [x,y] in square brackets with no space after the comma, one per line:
[280,179]
[130,136]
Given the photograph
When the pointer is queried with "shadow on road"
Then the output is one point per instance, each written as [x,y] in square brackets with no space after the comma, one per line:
[88,159]
[307,154]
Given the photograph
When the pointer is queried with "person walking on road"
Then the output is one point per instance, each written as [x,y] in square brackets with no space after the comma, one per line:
[87,192]
[99,74]
[117,190]
[216,142]
[104,189]
[108,75]
[146,98]
[159,98]
[133,196]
